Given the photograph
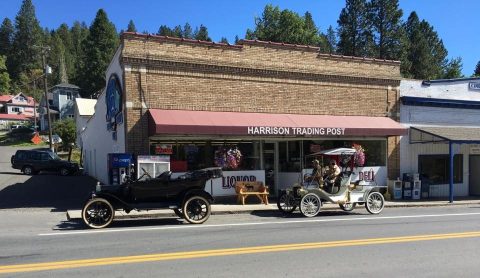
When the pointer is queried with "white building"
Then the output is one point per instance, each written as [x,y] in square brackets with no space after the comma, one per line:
[98,141]
[84,110]
[444,117]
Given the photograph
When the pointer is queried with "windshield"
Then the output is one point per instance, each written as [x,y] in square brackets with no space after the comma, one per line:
[55,156]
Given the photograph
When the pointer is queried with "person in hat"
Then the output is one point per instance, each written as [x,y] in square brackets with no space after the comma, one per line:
[331,174]
[316,174]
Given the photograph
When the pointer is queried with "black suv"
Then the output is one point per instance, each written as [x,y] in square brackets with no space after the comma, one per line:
[33,161]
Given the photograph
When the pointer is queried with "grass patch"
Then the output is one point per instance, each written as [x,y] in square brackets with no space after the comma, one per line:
[75,155]
[6,140]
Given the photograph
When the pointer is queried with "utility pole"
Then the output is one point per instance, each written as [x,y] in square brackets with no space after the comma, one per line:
[45,72]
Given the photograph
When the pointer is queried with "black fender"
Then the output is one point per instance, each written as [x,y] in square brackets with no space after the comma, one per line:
[197,192]
[114,200]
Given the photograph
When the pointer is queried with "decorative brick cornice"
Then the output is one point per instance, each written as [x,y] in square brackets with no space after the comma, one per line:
[253,72]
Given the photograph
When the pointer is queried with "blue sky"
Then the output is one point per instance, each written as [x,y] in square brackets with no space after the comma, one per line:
[457,22]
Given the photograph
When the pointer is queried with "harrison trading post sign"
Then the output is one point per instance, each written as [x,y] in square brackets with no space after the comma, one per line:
[302,131]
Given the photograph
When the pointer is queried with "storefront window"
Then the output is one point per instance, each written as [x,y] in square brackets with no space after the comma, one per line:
[194,155]
[436,168]
[289,156]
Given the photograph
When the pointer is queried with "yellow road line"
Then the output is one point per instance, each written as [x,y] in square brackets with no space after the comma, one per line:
[224,252]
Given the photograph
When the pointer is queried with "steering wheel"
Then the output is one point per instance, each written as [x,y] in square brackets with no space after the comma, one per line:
[145,173]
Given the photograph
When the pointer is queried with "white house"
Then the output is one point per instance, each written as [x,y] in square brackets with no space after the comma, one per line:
[84,110]
[444,118]
[61,100]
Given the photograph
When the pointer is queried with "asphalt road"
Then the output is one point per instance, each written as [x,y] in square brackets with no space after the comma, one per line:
[401,242]
[36,240]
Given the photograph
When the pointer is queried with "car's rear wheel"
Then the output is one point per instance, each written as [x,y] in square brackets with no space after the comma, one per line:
[98,213]
[375,203]
[348,206]
[286,203]
[196,209]
[28,170]
[310,205]
[64,171]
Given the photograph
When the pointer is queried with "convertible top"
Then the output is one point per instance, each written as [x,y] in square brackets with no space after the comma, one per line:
[336,151]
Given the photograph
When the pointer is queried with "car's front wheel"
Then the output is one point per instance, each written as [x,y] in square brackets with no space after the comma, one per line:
[375,203]
[196,209]
[64,171]
[28,170]
[98,213]
[310,205]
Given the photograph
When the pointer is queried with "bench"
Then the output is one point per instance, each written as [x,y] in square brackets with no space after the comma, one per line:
[251,188]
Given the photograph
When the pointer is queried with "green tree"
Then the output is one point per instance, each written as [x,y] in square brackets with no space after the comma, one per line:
[177,31]
[66,130]
[477,70]
[131,27]
[98,48]
[354,32]
[236,39]
[224,40]
[6,37]
[385,19]
[426,53]
[331,39]
[26,40]
[164,30]
[4,76]
[202,34]
[453,69]
[79,33]
[267,26]
[187,31]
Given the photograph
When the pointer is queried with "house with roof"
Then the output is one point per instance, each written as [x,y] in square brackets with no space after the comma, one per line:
[61,101]
[18,108]
[84,110]
[443,145]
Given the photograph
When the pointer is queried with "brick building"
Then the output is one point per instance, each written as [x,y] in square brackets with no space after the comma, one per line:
[276,103]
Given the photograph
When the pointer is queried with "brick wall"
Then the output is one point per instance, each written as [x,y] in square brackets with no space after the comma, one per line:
[160,73]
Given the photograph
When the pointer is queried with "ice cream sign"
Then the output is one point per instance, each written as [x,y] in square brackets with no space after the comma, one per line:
[298,131]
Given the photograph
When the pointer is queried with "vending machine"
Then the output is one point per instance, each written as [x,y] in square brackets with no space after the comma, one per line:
[119,167]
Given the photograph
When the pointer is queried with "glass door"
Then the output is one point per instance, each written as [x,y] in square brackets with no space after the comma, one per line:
[270,165]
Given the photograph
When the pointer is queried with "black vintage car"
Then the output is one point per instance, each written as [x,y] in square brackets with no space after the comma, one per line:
[186,195]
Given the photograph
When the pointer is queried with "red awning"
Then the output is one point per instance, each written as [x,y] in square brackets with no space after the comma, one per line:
[183,122]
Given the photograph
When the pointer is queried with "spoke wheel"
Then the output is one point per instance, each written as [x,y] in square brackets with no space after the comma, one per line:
[64,172]
[286,203]
[375,203]
[98,213]
[196,210]
[27,170]
[310,205]
[348,207]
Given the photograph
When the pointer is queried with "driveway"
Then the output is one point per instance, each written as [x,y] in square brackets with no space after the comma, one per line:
[46,190]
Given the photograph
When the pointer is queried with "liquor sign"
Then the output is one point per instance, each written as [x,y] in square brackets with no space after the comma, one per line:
[474,85]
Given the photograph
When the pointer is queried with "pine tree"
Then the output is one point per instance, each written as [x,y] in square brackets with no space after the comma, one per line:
[187,31]
[4,76]
[99,48]
[237,39]
[202,34]
[164,30]
[224,40]
[6,37]
[26,42]
[477,70]
[79,33]
[310,31]
[177,31]
[453,69]
[385,19]
[355,35]
[331,38]
[131,27]
[426,53]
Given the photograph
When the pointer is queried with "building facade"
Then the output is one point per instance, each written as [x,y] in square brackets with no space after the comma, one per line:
[443,117]
[16,109]
[61,101]
[202,103]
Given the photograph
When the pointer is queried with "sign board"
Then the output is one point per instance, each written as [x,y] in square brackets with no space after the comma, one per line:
[475,149]
[369,174]
[300,131]
[164,149]
[474,86]
[225,186]
[153,158]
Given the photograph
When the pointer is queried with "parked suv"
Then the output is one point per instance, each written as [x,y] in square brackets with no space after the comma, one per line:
[30,162]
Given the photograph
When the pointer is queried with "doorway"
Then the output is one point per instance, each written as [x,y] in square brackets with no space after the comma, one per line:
[270,165]
[474,178]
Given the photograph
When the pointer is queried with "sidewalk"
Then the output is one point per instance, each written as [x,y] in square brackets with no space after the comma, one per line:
[232,208]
